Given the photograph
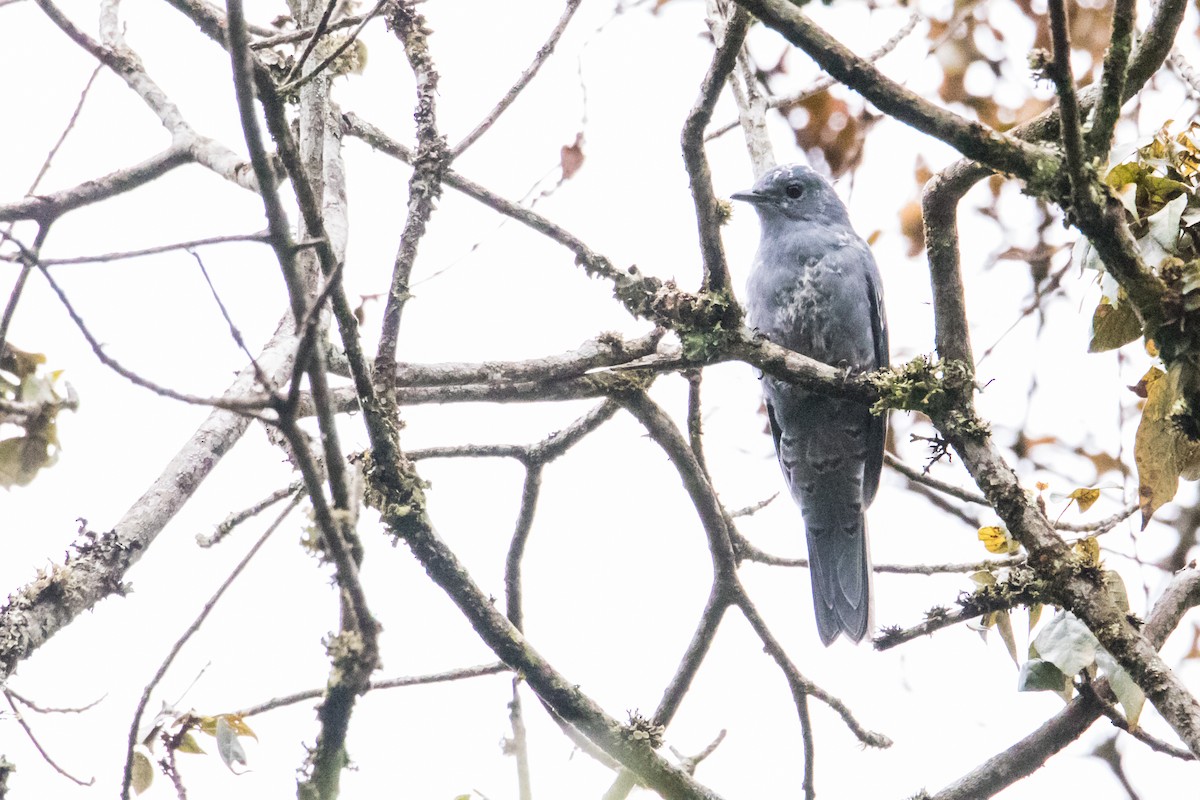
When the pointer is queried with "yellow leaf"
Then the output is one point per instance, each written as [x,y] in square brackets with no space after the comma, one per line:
[1084,498]
[1161,451]
[1035,613]
[997,540]
[235,722]
[1089,550]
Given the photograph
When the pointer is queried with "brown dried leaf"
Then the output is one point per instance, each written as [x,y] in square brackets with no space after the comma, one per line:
[828,125]
[1161,450]
[912,225]
[572,157]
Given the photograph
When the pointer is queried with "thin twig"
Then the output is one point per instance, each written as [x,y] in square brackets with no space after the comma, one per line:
[233,328]
[40,709]
[799,682]
[247,407]
[921,477]
[301,35]
[539,59]
[20,718]
[1118,720]
[187,635]
[288,88]
[823,83]
[238,517]
[262,237]
[376,685]
[318,32]
[66,130]
[750,552]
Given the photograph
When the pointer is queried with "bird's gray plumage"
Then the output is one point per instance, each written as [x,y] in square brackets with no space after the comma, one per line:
[815,289]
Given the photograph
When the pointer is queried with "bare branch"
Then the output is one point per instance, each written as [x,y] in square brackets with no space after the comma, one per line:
[305,33]
[70,126]
[605,350]
[98,564]
[44,209]
[821,84]
[20,718]
[237,518]
[923,478]
[1112,81]
[425,185]
[376,685]
[802,685]
[159,249]
[1068,109]
[127,66]
[730,32]
[974,140]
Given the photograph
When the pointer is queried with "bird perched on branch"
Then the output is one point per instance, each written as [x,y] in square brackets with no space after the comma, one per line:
[815,289]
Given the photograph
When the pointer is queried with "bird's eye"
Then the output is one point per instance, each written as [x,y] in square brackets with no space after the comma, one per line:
[794,190]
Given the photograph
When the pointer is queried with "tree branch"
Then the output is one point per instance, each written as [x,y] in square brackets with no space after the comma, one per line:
[973,139]
[730,30]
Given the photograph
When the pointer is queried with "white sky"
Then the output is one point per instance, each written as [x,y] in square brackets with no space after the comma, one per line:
[617,569]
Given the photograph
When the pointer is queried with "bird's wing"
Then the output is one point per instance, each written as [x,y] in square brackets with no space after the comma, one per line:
[877,433]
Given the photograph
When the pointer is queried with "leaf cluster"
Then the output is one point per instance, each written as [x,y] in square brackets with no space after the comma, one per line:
[22,382]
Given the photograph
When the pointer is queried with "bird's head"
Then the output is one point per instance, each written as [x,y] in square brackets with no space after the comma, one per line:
[794,192]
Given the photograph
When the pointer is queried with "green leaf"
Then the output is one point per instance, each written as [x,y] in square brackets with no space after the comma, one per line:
[1004,625]
[1123,174]
[228,746]
[1041,676]
[1128,693]
[188,744]
[1113,326]
[1067,644]
[1162,237]
[142,774]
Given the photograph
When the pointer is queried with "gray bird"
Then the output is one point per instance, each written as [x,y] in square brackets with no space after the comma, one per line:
[815,289]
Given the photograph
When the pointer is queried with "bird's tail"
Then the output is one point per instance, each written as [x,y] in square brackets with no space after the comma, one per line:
[840,567]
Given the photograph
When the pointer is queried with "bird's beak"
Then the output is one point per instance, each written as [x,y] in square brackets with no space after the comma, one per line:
[748,196]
